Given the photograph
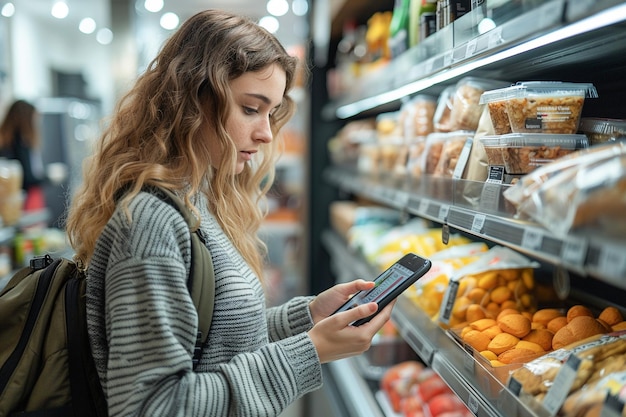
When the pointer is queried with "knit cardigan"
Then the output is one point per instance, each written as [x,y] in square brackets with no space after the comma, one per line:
[142,324]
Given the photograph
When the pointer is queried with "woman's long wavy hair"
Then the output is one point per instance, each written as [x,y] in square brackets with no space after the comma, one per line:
[161,130]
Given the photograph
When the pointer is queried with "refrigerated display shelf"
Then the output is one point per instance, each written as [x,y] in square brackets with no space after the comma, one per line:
[455,203]
[553,33]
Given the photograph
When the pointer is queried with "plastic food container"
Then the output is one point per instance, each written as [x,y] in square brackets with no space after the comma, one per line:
[493,150]
[600,130]
[450,155]
[523,152]
[496,101]
[466,107]
[547,107]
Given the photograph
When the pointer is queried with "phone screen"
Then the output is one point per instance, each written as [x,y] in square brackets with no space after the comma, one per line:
[391,283]
[385,284]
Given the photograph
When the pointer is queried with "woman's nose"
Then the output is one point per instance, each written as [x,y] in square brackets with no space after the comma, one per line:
[264,131]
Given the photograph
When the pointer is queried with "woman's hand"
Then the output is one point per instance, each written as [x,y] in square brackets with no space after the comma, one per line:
[330,300]
[334,337]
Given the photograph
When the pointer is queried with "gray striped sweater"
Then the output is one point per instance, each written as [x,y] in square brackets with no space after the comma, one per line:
[142,324]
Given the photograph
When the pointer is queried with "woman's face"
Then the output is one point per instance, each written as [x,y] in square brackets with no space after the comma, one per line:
[255,96]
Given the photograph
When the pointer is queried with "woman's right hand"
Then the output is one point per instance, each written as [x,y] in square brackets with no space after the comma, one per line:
[334,337]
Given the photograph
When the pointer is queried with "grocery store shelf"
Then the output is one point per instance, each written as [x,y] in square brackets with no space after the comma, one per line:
[483,391]
[480,209]
[554,34]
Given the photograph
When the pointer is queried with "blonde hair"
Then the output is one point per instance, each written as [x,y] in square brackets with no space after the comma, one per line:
[160,131]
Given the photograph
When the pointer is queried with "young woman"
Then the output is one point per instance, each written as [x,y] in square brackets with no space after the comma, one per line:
[202,121]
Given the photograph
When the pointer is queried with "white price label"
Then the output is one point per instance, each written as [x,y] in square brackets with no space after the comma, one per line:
[471,48]
[443,212]
[423,207]
[495,37]
[402,199]
[447,59]
[473,404]
[574,251]
[478,223]
[612,262]
[532,238]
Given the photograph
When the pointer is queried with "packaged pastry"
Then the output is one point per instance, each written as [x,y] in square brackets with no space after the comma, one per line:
[466,106]
[530,183]
[415,162]
[493,149]
[590,196]
[598,356]
[451,154]
[601,130]
[500,279]
[547,106]
[432,152]
[418,118]
[524,152]
[441,119]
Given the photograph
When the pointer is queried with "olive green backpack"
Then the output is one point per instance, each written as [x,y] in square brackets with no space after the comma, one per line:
[46,367]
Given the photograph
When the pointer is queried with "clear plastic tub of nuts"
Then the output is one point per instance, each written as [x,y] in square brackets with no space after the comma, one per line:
[601,130]
[547,106]
[496,101]
[524,152]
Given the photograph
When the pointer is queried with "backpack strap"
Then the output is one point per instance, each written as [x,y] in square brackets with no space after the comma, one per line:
[201,282]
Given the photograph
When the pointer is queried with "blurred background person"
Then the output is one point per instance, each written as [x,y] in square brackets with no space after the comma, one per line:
[20,140]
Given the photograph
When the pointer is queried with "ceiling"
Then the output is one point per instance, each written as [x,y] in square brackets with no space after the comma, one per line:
[100,11]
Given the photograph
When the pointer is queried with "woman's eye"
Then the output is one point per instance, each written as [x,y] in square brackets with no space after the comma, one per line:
[249,110]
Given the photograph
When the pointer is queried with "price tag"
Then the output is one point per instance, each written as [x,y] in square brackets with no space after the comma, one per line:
[471,48]
[402,199]
[423,350]
[448,301]
[495,37]
[469,362]
[532,238]
[574,251]
[444,209]
[478,223]
[612,262]
[447,59]
[515,386]
[562,383]
[473,404]
[423,207]
[612,407]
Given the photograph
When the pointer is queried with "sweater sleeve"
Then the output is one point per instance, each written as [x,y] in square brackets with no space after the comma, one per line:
[151,326]
[289,319]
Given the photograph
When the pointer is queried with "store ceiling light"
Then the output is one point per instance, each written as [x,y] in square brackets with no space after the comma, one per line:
[153,6]
[169,21]
[277,7]
[270,23]
[300,7]
[87,25]
[104,36]
[60,10]
[8,10]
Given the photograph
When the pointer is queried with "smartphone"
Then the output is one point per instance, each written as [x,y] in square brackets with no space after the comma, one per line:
[390,284]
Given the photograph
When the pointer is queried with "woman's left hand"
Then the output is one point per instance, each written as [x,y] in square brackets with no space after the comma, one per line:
[330,300]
